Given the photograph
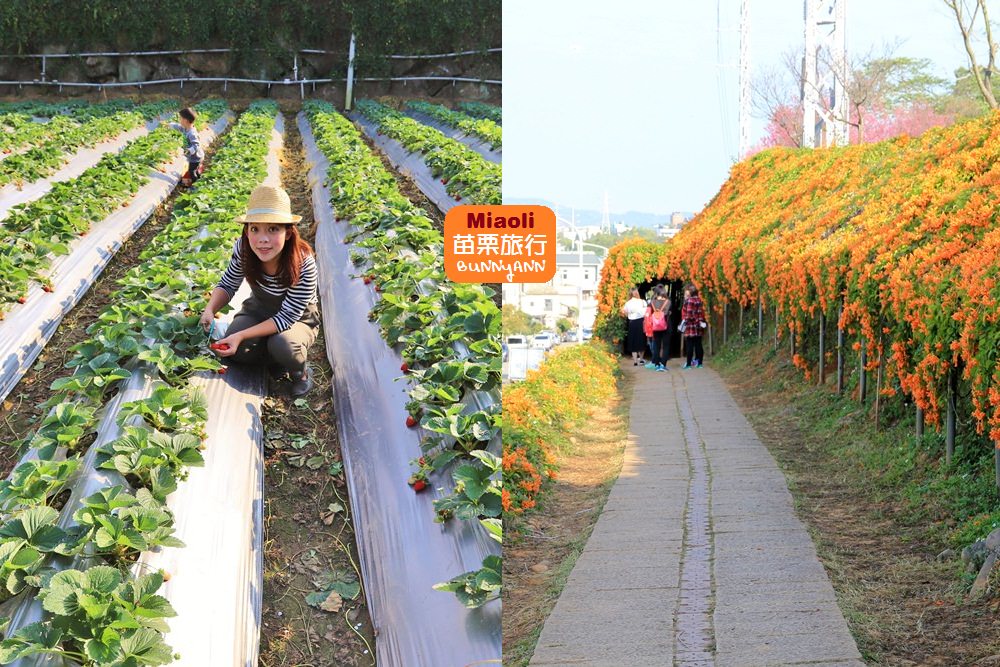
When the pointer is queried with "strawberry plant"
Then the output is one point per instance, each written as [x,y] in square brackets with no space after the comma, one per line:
[468,174]
[24,133]
[169,409]
[24,540]
[67,135]
[65,426]
[93,378]
[482,110]
[484,128]
[155,460]
[100,619]
[118,525]
[467,431]
[477,490]
[34,482]
[474,589]
[173,367]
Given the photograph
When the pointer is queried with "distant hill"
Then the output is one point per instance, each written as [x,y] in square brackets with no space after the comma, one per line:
[589,217]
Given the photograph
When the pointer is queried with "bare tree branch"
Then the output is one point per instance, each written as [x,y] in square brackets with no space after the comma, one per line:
[982,77]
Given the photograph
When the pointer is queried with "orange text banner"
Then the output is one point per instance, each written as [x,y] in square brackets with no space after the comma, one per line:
[507,243]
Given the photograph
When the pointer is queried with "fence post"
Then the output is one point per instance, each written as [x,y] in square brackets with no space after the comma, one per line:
[711,338]
[822,349]
[43,68]
[725,322]
[740,330]
[760,318]
[863,378]
[777,323]
[950,432]
[840,350]
[920,422]
[878,386]
[349,95]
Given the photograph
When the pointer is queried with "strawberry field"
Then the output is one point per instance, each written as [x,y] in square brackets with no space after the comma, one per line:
[139,479]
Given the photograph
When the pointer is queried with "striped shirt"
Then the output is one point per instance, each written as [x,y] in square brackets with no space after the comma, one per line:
[295,299]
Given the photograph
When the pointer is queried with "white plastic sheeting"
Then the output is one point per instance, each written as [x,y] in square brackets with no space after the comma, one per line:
[409,164]
[216,580]
[29,326]
[477,144]
[402,551]
[82,160]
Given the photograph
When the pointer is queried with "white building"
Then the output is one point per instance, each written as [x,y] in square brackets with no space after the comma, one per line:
[560,297]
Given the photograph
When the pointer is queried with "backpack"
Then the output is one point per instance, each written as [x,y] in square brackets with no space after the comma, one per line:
[658,319]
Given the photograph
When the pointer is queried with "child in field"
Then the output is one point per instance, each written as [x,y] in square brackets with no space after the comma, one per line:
[192,145]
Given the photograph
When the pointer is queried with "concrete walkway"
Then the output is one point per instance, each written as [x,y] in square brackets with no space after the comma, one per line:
[698,558]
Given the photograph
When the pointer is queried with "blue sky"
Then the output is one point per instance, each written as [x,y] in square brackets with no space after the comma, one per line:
[626,96]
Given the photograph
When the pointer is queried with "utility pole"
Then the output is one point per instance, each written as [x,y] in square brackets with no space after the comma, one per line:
[744,79]
[825,106]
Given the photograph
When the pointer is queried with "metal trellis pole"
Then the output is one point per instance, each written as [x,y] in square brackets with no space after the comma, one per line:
[349,95]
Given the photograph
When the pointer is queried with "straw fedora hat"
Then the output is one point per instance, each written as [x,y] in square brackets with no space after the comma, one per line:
[269,204]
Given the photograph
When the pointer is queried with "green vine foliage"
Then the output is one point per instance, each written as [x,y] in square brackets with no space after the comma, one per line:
[385,27]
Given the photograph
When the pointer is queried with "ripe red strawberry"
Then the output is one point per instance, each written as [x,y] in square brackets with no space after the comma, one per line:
[419,485]
[219,346]
[410,421]
[223,370]
[368,279]
[47,288]
[405,367]
[422,461]
[378,289]
[22,299]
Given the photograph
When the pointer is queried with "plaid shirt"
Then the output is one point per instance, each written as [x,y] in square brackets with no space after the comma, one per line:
[693,314]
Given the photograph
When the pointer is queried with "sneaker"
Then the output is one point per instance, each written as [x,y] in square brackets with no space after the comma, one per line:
[302,386]
[659,367]
[686,366]
[650,366]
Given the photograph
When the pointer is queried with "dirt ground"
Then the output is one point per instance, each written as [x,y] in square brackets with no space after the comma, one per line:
[309,537]
[536,565]
[903,606]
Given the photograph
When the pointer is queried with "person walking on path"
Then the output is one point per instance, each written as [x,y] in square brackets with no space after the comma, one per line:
[659,319]
[693,325]
[647,330]
[635,311]
[279,322]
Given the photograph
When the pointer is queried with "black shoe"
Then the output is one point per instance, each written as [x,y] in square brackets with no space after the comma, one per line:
[302,386]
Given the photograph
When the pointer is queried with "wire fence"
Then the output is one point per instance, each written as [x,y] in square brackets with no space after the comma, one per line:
[44,80]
